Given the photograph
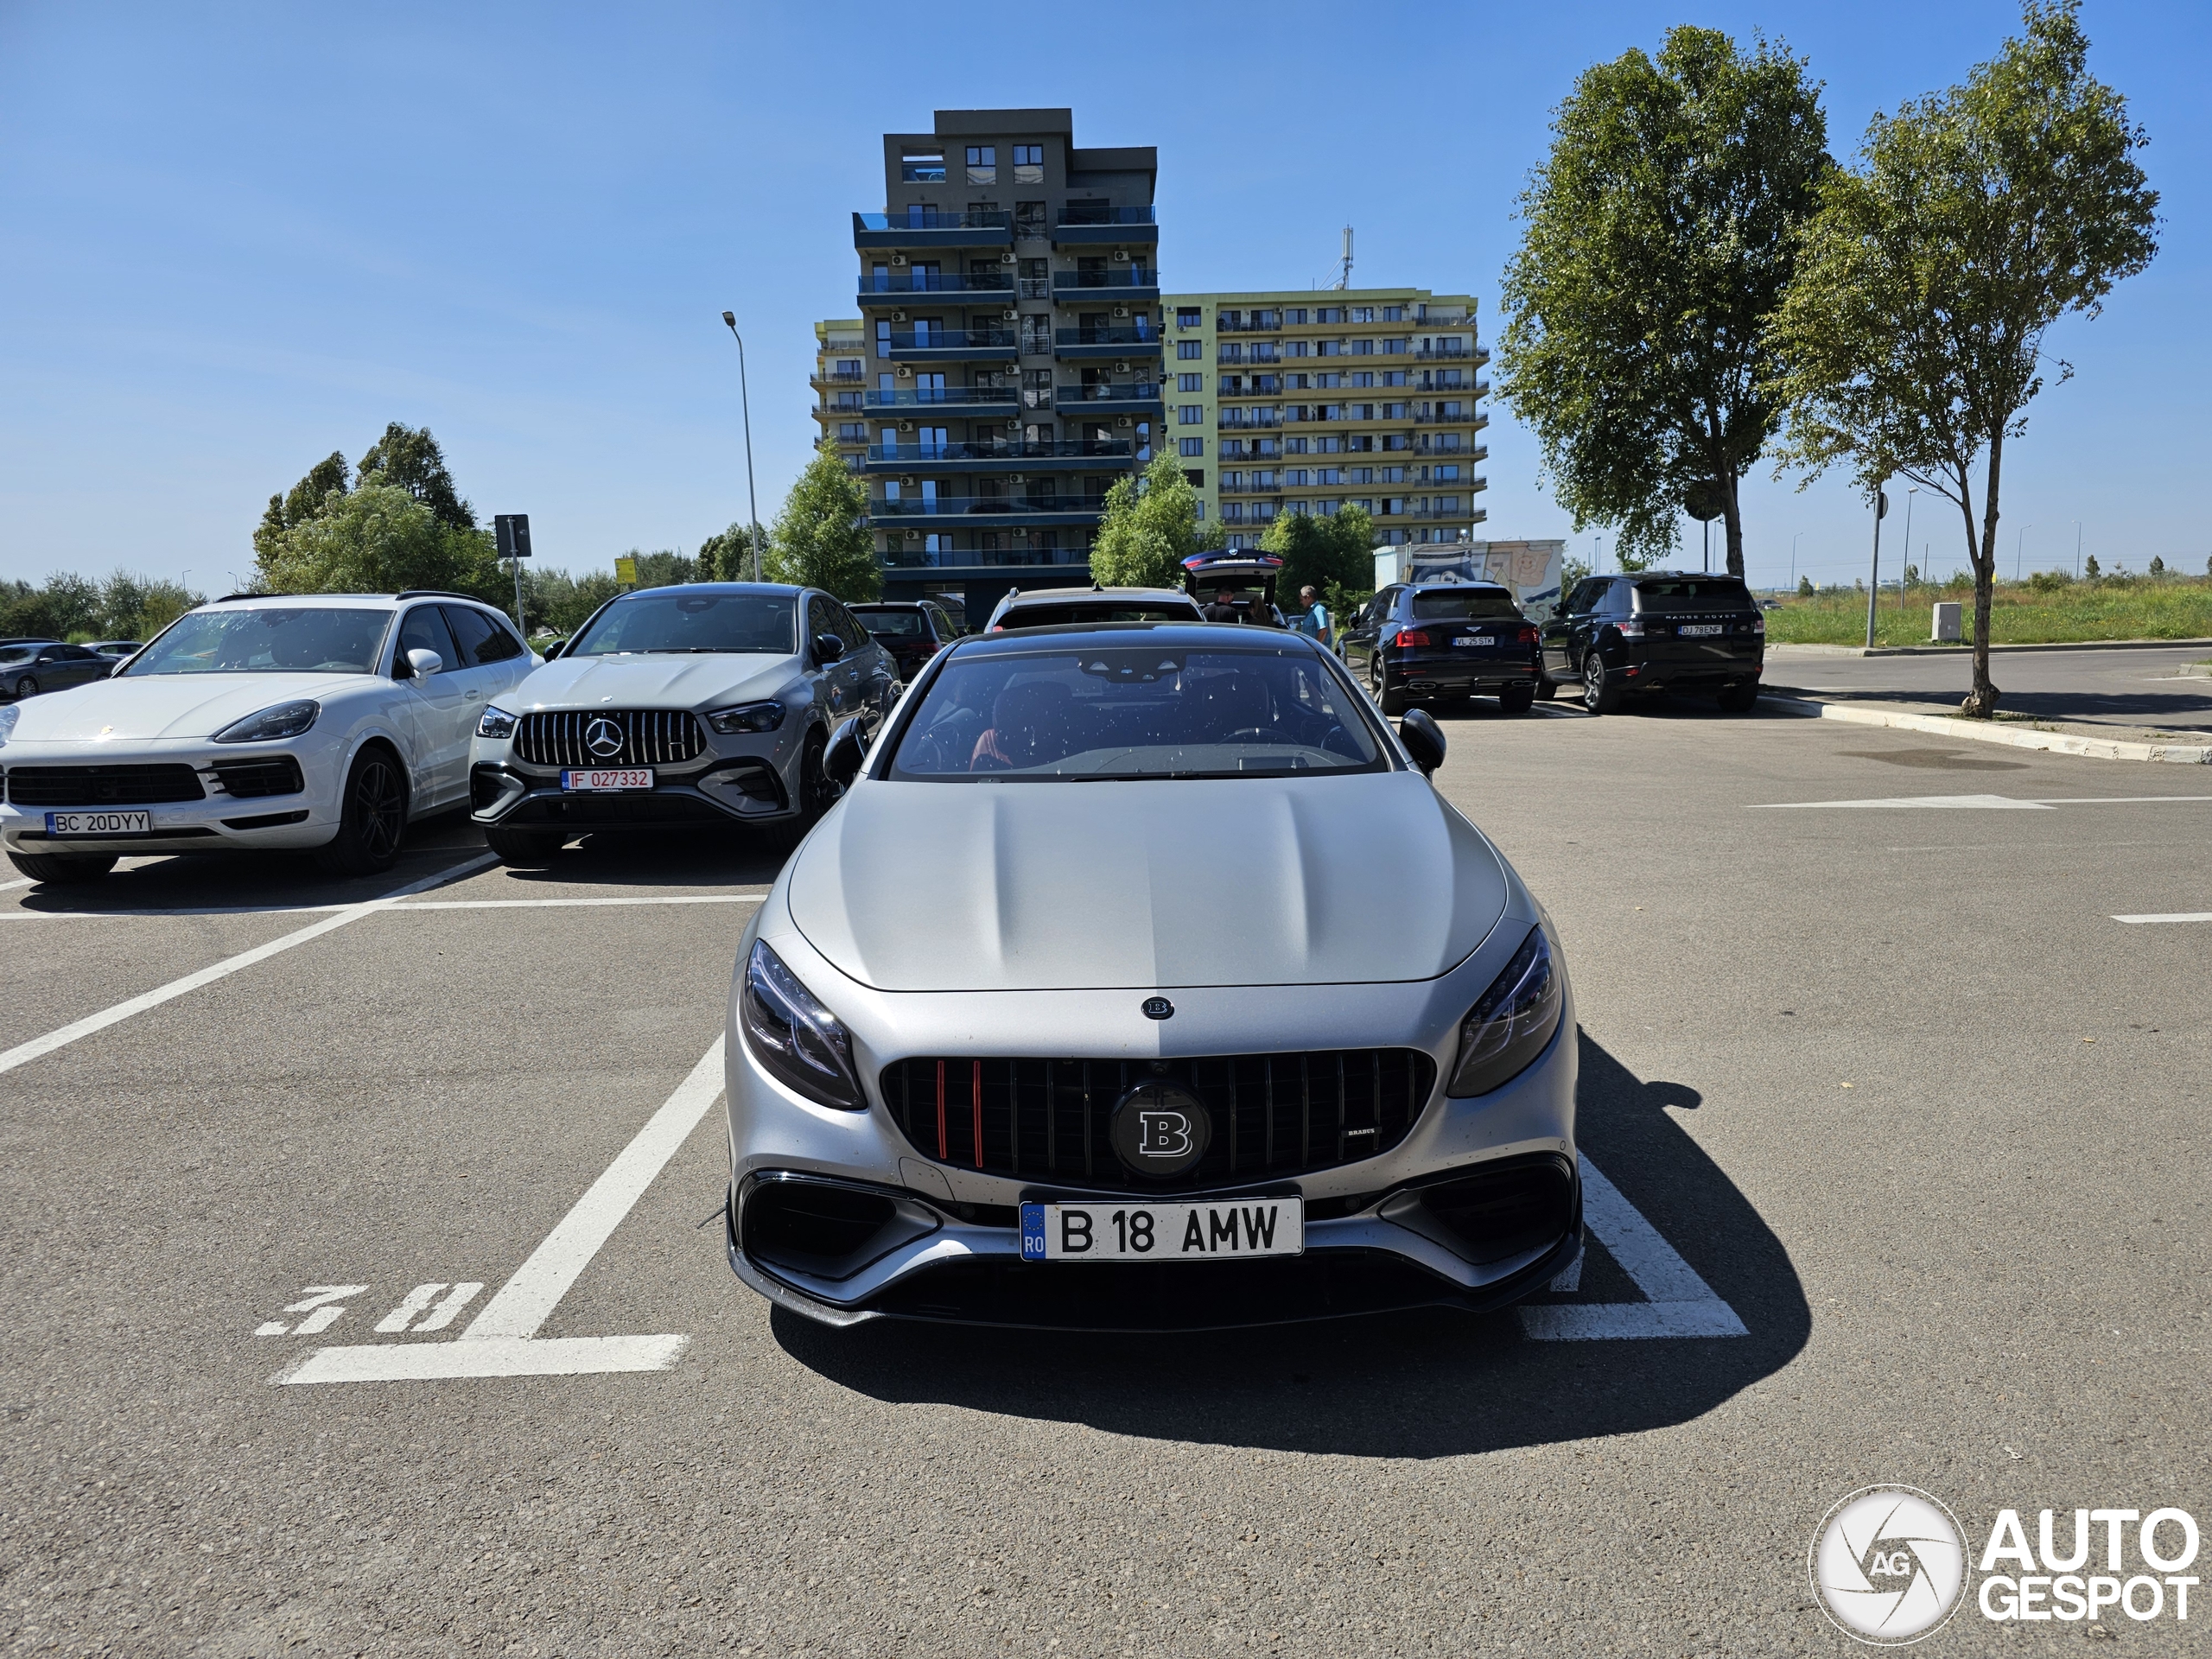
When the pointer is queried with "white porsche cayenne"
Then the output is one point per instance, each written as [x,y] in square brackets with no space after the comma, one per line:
[1141,981]
[325,720]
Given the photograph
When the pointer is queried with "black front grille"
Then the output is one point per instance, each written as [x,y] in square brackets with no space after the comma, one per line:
[102,786]
[651,737]
[260,774]
[1274,1114]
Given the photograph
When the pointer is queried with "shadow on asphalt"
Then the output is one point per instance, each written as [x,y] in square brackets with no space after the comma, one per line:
[1406,1385]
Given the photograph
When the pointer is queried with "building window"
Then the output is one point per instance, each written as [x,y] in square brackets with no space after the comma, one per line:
[856,432]
[1364,378]
[921,166]
[1029,218]
[1198,509]
[1190,350]
[1394,377]
[1195,477]
[1029,164]
[1363,314]
[1190,383]
[1394,314]
[1191,414]
[1295,315]
[1328,348]
[1329,314]
[1362,348]
[983,164]
[1191,446]
[1394,348]
[1189,316]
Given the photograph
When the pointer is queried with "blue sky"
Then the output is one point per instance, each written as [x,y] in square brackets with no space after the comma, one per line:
[238,238]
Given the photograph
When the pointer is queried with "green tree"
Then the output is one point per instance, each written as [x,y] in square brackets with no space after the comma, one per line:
[1976,218]
[728,556]
[1660,236]
[305,499]
[407,458]
[1149,527]
[556,600]
[1331,553]
[380,538]
[821,537]
[666,568]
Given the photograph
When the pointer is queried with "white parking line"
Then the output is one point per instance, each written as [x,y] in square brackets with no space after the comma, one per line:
[428,904]
[1681,1305]
[22,1053]
[23,881]
[1992,803]
[2167,916]
[502,1340]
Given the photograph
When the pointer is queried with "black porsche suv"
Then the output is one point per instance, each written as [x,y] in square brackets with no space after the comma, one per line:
[1656,631]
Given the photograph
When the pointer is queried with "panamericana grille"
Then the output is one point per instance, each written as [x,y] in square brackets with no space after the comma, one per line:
[651,737]
[121,786]
[1273,1115]
[260,774]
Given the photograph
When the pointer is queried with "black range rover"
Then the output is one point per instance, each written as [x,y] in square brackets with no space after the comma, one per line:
[1656,631]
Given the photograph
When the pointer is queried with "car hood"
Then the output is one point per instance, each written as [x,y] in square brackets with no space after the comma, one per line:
[673,681]
[922,887]
[148,705]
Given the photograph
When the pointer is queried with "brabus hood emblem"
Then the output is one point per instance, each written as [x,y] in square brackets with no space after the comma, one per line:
[1159,1007]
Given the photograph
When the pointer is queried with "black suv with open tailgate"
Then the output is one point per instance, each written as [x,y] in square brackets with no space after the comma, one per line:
[1656,631]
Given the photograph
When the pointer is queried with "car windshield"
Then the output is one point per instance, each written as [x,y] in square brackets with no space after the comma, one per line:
[1123,709]
[673,619]
[286,639]
[1067,616]
[1437,603]
[905,624]
[1693,593]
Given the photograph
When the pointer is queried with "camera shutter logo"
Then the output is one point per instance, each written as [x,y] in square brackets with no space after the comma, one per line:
[603,738]
[1888,1565]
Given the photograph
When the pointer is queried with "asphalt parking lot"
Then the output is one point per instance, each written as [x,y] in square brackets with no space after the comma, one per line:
[2139,688]
[1868,1060]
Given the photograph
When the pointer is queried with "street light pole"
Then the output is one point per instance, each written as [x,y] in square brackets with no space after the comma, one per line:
[1794,540]
[1874,576]
[745,403]
[2077,549]
[2019,543]
[1910,490]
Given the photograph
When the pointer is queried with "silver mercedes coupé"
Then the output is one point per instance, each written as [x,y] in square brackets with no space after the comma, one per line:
[1141,979]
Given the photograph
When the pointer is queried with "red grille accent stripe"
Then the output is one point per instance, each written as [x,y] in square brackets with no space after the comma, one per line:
[940,1109]
[978,1098]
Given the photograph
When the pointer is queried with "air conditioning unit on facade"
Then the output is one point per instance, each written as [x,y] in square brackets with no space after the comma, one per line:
[1125,421]
[1014,426]
[1121,312]
[906,426]
[1009,316]
[907,481]
[1120,255]
[897,316]
[1014,478]
[1121,366]
[898,258]
[905,371]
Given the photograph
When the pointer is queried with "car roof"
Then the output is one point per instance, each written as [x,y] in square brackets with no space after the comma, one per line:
[783,588]
[1180,636]
[888,605]
[1681,575]
[1448,587]
[1084,596]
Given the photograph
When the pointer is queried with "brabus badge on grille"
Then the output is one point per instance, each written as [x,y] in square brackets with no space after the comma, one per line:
[603,738]
[1159,1007]
[1158,1129]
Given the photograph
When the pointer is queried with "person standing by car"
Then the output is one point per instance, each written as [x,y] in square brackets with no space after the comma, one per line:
[1223,608]
[1313,621]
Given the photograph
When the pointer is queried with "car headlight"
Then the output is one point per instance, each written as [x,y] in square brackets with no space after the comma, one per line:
[9,715]
[804,1044]
[496,722]
[285,719]
[747,717]
[1505,1031]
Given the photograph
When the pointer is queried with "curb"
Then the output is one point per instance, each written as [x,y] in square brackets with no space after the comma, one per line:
[2095,748]
[1968,650]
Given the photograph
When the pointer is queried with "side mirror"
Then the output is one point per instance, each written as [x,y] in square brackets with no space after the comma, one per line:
[828,648]
[552,650]
[847,748]
[422,662]
[1424,739]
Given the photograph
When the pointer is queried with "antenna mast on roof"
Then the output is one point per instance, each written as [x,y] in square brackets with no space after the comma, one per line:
[1343,277]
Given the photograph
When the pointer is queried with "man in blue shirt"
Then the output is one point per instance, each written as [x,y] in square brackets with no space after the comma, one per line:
[1314,621]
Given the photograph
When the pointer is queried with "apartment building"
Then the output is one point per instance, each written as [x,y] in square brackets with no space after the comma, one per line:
[1009,293]
[1302,400]
[840,377]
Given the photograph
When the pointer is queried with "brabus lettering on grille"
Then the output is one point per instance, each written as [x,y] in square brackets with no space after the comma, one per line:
[1163,1135]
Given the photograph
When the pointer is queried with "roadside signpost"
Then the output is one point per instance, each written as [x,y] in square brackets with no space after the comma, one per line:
[625,571]
[513,529]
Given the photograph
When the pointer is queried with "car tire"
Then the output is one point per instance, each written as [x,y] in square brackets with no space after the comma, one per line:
[63,869]
[1390,699]
[1516,699]
[524,849]
[1740,699]
[1601,692]
[25,687]
[372,817]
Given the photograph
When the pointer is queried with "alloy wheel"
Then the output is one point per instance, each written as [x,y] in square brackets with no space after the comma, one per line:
[25,687]
[1594,683]
[377,803]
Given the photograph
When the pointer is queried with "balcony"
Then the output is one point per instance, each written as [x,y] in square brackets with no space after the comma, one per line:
[1123,282]
[932,227]
[1093,222]
[897,287]
[987,512]
[1239,419]
[1066,455]
[1443,354]
[1117,340]
[835,381]
[960,400]
[950,345]
[1141,398]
